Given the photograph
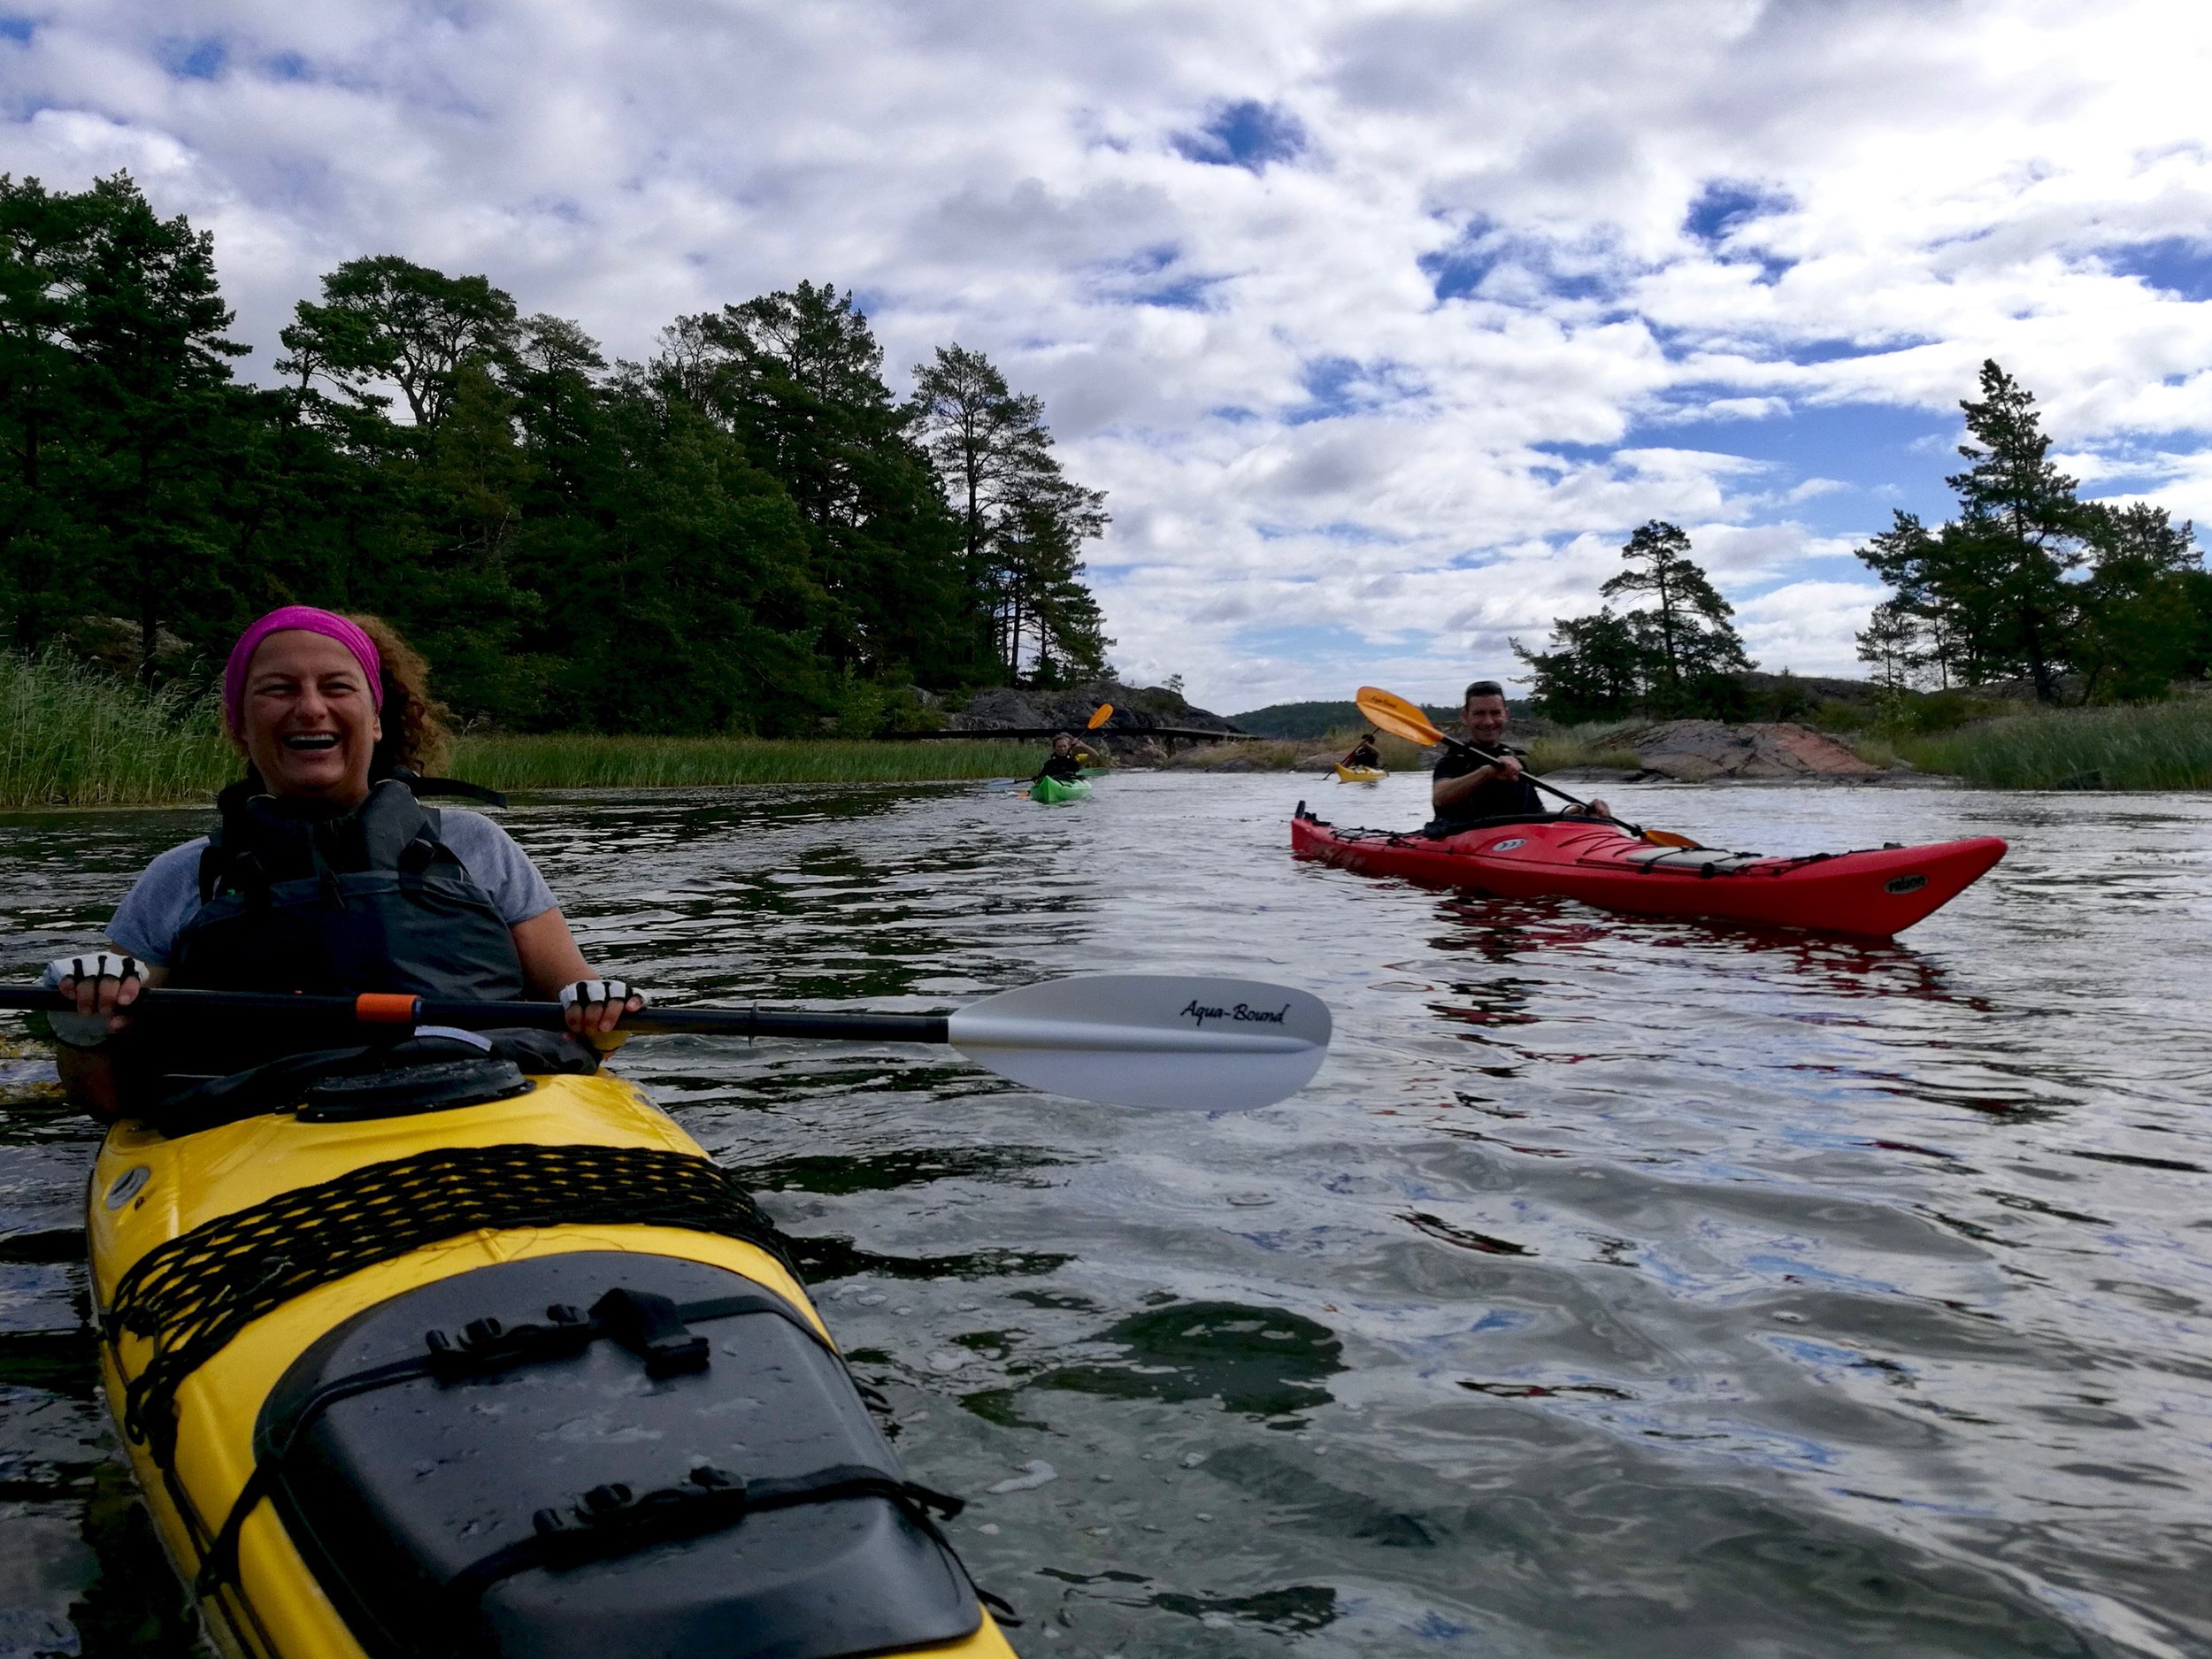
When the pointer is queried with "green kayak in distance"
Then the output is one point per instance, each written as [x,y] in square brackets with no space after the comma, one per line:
[1052,792]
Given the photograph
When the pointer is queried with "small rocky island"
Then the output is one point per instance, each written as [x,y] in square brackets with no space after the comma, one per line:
[1707,751]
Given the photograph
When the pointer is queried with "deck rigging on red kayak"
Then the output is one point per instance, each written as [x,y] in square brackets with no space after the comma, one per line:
[1876,892]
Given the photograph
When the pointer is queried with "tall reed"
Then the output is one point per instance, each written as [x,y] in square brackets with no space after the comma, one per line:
[2149,746]
[71,735]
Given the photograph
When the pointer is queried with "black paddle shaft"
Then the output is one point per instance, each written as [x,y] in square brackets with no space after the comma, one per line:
[405,1011]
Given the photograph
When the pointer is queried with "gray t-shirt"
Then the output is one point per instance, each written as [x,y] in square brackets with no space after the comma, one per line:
[167,895]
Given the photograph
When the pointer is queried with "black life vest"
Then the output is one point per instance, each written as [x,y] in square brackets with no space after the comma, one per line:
[370,900]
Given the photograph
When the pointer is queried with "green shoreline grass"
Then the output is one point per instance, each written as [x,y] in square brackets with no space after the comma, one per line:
[581,761]
[73,736]
[2146,746]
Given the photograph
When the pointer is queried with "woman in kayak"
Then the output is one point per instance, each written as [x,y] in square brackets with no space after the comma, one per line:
[1466,790]
[1066,762]
[1364,755]
[325,874]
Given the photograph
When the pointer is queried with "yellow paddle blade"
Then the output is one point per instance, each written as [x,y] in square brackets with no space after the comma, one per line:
[1105,714]
[1668,838]
[1397,716]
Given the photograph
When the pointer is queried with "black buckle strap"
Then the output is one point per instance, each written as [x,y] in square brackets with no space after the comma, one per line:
[656,1328]
[614,1520]
[488,1344]
[652,1327]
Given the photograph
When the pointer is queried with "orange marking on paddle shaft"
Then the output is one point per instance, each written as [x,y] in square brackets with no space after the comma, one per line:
[386,1008]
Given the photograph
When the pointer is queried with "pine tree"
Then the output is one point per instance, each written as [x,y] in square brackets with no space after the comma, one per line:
[797,377]
[1595,669]
[1024,520]
[1689,641]
[2018,518]
[1895,643]
[153,432]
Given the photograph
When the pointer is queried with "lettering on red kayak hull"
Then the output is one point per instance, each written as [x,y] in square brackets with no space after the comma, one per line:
[1877,893]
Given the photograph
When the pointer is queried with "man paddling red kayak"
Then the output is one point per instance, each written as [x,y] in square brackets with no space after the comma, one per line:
[1467,789]
[1605,861]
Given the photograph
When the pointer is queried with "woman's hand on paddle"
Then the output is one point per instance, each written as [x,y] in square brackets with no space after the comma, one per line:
[592,1008]
[102,983]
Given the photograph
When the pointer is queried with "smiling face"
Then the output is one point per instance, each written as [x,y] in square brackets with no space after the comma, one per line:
[306,720]
[1484,719]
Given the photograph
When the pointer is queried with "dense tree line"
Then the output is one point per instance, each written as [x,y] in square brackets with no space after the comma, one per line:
[2031,583]
[1675,653]
[747,533]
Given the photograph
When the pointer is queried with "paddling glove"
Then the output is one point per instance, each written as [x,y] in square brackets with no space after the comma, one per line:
[589,992]
[85,1030]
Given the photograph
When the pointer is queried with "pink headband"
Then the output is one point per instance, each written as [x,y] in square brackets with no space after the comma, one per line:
[304,619]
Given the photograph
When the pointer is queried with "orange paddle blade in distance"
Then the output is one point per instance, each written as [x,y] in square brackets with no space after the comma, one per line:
[1105,714]
[1395,715]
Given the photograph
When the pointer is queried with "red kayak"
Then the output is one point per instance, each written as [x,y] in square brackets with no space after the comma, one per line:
[1879,892]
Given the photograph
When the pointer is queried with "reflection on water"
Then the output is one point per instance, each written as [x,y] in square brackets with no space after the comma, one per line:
[1623,1285]
[1260,1361]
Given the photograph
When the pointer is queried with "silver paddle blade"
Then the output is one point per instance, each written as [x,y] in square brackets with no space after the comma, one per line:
[1200,1044]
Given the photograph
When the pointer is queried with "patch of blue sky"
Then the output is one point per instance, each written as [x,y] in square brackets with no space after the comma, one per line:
[1488,262]
[17,28]
[288,66]
[1235,414]
[1185,294]
[201,60]
[1884,457]
[1339,386]
[1725,206]
[1725,209]
[2179,266]
[1247,134]
[1811,351]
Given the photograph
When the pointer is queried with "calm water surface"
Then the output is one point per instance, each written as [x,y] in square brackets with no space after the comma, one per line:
[1619,1287]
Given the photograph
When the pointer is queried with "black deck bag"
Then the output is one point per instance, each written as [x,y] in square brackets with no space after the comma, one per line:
[514,1462]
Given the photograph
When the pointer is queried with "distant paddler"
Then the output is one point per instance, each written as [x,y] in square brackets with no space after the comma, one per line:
[1069,758]
[1066,762]
[1364,755]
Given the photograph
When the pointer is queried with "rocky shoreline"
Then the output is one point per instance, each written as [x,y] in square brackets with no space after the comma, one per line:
[1135,735]
[1671,751]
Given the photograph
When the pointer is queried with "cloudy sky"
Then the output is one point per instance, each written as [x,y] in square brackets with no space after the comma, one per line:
[1382,324]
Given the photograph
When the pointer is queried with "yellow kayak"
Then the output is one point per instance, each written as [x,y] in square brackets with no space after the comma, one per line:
[421,1366]
[1360,774]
